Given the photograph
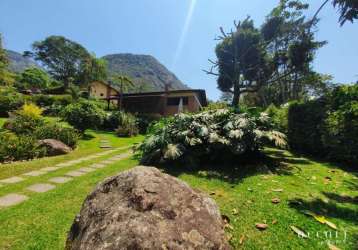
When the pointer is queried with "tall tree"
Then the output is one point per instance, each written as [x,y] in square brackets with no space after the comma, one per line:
[64,59]
[278,54]
[34,78]
[241,60]
[348,10]
[93,69]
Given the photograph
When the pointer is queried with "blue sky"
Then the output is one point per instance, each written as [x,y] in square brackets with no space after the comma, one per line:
[156,27]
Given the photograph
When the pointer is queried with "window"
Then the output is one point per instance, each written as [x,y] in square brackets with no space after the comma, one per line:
[102,94]
[174,101]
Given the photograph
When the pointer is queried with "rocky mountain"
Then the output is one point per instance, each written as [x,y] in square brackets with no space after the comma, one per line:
[19,63]
[143,69]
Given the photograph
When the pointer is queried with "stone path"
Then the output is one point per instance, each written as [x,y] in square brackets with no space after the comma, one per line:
[41,187]
[43,171]
[14,198]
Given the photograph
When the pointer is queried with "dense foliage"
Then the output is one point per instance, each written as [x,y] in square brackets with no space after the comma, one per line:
[10,100]
[18,147]
[33,78]
[84,115]
[271,60]
[218,135]
[327,126]
[23,130]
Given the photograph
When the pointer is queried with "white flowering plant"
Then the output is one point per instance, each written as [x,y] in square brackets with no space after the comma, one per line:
[214,135]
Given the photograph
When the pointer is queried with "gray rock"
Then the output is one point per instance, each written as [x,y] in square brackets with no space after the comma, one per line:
[55,147]
[145,209]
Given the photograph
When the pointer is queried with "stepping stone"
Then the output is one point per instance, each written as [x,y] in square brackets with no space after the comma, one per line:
[35,173]
[41,187]
[65,164]
[60,179]
[12,199]
[75,173]
[12,180]
[97,165]
[107,162]
[105,146]
[86,170]
[50,169]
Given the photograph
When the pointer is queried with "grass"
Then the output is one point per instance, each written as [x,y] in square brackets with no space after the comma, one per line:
[243,194]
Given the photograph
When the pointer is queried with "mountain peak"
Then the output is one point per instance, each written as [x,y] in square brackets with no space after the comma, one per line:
[143,69]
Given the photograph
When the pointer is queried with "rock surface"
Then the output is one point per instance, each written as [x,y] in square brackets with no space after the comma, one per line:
[145,209]
[55,147]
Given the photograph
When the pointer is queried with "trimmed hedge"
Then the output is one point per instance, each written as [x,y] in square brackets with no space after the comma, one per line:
[305,126]
[327,127]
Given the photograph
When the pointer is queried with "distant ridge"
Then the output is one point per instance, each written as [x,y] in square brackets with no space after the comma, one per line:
[19,63]
[143,69]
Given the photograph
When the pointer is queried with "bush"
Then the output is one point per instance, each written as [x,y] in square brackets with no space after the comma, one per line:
[68,136]
[113,120]
[13,147]
[26,120]
[128,126]
[305,126]
[10,100]
[327,126]
[279,117]
[84,115]
[48,100]
[218,135]
[145,120]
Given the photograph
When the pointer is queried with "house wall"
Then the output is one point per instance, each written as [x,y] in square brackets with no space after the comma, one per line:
[100,91]
[157,104]
[193,105]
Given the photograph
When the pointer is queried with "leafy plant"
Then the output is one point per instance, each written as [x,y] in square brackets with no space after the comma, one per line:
[14,147]
[128,126]
[67,135]
[26,120]
[84,115]
[218,135]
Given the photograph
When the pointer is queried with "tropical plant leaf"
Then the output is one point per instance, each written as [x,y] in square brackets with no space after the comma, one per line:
[172,152]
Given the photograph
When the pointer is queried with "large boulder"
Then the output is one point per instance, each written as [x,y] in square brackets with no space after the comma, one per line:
[145,209]
[55,147]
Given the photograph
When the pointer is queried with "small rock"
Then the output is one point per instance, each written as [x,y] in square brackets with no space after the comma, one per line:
[55,147]
[275,200]
[261,226]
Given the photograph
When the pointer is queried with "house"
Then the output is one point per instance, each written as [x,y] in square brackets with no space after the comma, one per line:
[164,103]
[104,90]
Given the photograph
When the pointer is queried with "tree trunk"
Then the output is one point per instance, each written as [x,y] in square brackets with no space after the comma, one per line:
[236,97]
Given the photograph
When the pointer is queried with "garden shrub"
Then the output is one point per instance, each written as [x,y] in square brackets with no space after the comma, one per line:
[279,117]
[26,120]
[328,126]
[145,120]
[67,135]
[14,147]
[84,115]
[217,135]
[10,100]
[128,126]
[305,126]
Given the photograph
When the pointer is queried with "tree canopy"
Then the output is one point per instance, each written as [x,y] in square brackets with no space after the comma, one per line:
[67,61]
[34,78]
[277,55]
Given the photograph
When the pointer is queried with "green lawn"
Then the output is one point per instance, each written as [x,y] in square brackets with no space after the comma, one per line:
[243,195]
[2,121]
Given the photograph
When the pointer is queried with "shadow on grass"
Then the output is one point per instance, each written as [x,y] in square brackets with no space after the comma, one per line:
[327,209]
[235,171]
